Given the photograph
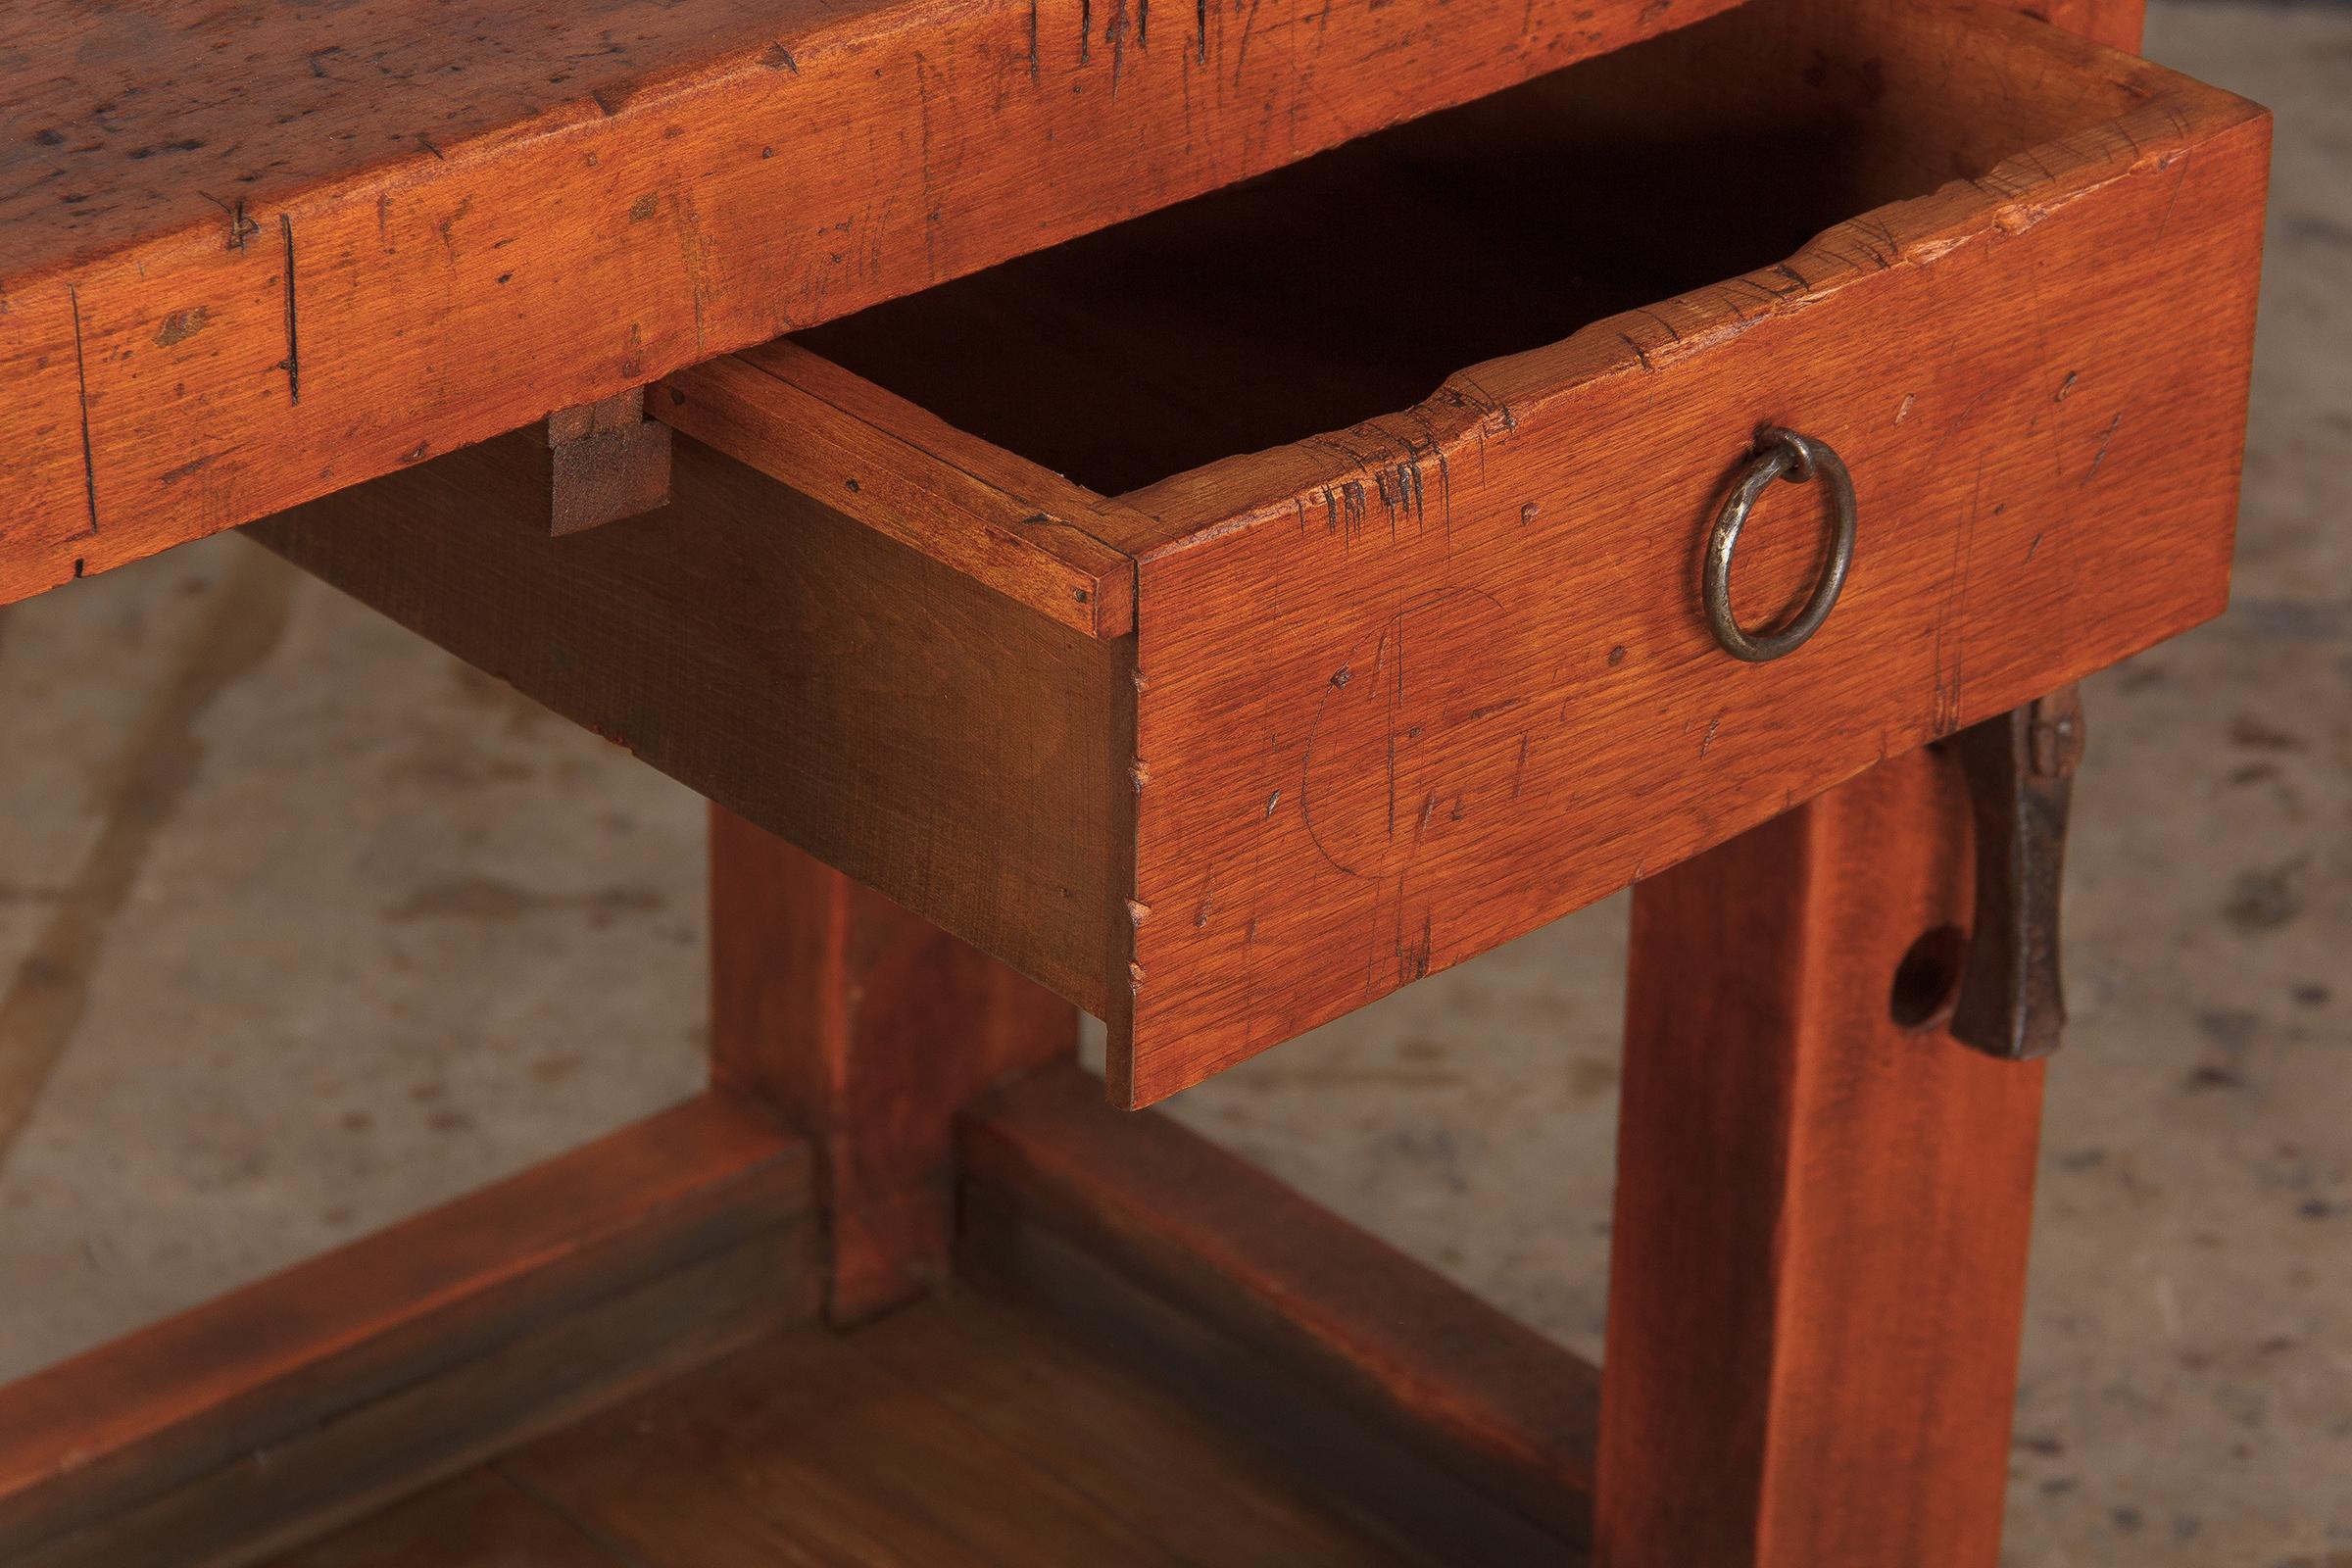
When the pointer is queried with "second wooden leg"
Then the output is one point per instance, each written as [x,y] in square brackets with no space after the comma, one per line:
[868,1029]
[1817,1260]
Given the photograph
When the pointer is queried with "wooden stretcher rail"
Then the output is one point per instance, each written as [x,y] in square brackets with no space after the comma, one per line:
[1482,1396]
[317,1392]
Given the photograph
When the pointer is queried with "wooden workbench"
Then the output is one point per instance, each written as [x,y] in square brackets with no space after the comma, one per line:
[1202,515]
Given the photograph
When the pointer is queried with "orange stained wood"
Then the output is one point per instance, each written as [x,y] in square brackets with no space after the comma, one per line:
[1816,1265]
[959,1433]
[1406,1350]
[469,1325]
[1405,689]
[868,1028]
[1421,686]
[250,257]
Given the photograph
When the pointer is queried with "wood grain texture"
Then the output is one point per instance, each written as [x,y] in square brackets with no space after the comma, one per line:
[908,726]
[1026,1380]
[473,1520]
[1413,1353]
[1413,689]
[1032,535]
[1405,690]
[800,1456]
[1282,1421]
[960,1432]
[363,1372]
[251,259]
[2113,23]
[1817,1262]
[868,1029]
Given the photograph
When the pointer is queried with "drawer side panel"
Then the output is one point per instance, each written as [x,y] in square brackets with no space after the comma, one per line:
[898,719]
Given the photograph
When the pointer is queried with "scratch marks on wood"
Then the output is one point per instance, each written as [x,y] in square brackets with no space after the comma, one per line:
[778,58]
[2065,386]
[1114,33]
[694,256]
[1946,717]
[922,94]
[81,388]
[1086,29]
[1240,54]
[447,227]
[194,466]
[2105,442]
[1033,41]
[1413,954]
[2179,181]
[292,363]
[1200,29]
[240,227]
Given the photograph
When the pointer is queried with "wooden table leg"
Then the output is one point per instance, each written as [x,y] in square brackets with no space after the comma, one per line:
[1819,1252]
[868,1029]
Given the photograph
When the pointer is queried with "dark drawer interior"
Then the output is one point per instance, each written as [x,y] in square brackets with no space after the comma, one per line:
[1351,284]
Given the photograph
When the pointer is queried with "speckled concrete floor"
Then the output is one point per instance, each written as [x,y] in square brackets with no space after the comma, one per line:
[307,927]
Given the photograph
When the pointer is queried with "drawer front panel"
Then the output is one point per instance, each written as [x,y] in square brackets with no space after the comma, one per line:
[1416,689]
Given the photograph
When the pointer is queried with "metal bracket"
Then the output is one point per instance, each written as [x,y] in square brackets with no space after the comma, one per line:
[2020,769]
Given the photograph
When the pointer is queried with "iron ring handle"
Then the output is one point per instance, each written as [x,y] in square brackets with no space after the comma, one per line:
[1780,454]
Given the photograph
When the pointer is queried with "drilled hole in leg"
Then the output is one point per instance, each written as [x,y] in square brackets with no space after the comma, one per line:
[1929,978]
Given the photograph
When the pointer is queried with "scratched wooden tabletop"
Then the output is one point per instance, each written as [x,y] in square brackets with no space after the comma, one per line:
[252,254]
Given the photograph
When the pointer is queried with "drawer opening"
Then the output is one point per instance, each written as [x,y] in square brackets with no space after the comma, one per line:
[1351,284]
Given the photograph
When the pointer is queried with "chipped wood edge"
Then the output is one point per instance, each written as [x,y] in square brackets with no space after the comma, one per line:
[1381,460]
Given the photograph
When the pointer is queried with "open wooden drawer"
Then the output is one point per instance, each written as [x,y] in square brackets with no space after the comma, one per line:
[1354,681]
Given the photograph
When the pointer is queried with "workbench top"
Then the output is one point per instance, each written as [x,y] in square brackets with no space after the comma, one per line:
[252,255]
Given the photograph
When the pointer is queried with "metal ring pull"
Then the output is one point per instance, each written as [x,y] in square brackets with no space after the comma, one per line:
[1780,454]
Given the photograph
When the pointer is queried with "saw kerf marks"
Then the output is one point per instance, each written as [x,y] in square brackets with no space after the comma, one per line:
[292,363]
[82,389]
